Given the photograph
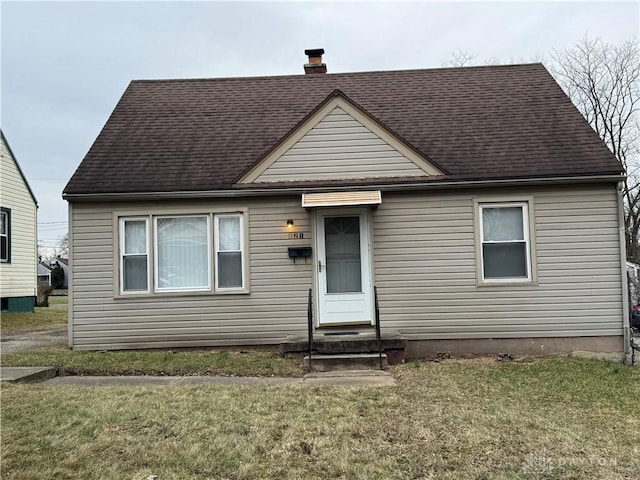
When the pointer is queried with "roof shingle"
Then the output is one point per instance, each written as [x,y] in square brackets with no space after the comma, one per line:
[475,122]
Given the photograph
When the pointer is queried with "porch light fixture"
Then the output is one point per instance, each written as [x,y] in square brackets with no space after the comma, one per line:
[290,224]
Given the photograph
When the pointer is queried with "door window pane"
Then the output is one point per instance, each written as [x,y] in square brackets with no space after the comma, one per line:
[342,249]
[182,253]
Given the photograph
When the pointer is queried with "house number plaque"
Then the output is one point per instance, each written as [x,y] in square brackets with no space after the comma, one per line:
[296,235]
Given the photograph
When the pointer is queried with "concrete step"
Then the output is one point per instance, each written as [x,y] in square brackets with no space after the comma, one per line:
[348,342]
[27,374]
[353,361]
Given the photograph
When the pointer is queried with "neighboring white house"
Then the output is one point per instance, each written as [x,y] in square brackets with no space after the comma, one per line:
[18,244]
[44,275]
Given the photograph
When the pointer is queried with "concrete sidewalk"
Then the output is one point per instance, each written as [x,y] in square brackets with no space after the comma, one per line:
[24,341]
[350,378]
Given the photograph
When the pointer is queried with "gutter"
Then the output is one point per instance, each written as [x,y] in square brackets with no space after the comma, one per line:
[626,329]
[276,191]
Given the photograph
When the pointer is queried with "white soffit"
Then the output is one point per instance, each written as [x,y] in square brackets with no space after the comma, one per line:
[341,199]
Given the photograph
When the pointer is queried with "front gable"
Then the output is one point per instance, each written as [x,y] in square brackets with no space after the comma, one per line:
[339,142]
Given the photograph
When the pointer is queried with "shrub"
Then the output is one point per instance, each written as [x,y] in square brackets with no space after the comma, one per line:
[43,295]
[57,277]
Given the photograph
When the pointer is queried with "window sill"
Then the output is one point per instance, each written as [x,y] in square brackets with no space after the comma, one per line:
[159,295]
[508,283]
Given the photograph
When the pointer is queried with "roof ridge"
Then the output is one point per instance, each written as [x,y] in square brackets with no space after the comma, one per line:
[366,72]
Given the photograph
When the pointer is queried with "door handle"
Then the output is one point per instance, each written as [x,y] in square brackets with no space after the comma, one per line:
[320,266]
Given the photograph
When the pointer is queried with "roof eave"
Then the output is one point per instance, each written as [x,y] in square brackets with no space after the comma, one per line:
[15,161]
[385,186]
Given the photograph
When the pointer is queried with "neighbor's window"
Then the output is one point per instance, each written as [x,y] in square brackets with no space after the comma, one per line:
[505,249]
[5,235]
[228,250]
[134,258]
[182,253]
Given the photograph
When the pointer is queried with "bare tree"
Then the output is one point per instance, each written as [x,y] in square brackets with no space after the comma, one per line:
[62,250]
[603,81]
[42,252]
[460,58]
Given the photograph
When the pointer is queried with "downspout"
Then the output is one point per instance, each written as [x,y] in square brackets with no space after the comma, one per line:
[624,276]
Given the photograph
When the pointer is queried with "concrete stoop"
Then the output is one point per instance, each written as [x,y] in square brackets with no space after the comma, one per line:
[347,349]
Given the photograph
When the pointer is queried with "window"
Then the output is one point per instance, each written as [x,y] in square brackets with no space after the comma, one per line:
[5,235]
[505,246]
[182,253]
[134,258]
[229,260]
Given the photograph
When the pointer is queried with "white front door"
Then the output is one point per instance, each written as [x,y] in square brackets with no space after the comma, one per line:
[343,268]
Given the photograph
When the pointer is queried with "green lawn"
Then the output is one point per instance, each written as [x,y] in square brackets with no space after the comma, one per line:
[55,315]
[249,362]
[550,419]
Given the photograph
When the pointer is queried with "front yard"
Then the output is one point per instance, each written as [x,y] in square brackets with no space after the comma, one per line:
[554,419]
[53,316]
[250,362]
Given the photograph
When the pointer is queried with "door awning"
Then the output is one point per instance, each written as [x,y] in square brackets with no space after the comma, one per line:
[341,199]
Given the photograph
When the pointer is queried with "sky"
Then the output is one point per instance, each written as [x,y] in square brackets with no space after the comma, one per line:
[64,65]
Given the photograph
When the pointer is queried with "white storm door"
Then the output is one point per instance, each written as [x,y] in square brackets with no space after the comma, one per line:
[343,268]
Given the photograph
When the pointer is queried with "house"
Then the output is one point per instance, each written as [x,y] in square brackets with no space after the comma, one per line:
[477,200]
[18,244]
[44,275]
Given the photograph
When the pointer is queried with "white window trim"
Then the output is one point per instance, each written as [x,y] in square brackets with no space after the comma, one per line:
[126,214]
[121,254]
[216,250]
[526,219]
[158,289]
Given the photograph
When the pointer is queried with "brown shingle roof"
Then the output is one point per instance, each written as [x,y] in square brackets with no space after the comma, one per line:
[474,122]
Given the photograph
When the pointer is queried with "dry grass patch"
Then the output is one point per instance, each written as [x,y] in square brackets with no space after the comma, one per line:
[551,419]
[250,362]
[53,316]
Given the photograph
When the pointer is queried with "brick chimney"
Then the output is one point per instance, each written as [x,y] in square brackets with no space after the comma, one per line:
[315,64]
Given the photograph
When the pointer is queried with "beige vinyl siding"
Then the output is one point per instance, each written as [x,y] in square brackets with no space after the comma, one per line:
[339,147]
[275,306]
[425,267]
[18,278]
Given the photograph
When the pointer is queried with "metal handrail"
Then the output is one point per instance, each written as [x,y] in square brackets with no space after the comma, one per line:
[310,325]
[375,296]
